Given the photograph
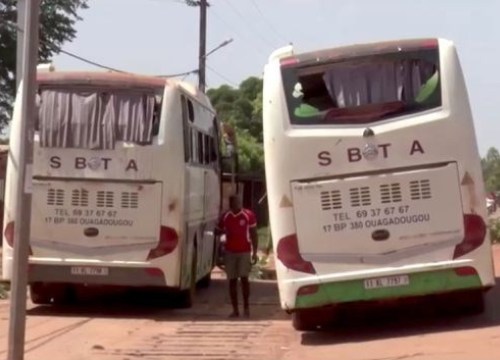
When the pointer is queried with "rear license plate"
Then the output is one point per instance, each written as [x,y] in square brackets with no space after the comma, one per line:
[89,270]
[387,281]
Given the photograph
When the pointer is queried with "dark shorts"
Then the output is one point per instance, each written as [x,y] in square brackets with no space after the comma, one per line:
[237,264]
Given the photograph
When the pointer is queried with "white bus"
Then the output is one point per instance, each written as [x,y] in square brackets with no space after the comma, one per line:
[373,177]
[126,185]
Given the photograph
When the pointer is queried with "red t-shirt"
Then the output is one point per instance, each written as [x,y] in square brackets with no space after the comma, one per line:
[237,229]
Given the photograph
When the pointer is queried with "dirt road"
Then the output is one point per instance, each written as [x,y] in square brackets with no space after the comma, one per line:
[128,328]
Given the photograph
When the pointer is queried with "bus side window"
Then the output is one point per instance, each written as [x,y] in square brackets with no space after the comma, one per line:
[194,146]
[157,115]
[206,149]
[190,110]
[200,147]
[188,155]
[38,102]
[213,152]
[214,144]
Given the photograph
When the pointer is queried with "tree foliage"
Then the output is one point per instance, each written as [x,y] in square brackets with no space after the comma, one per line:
[242,109]
[57,20]
[491,169]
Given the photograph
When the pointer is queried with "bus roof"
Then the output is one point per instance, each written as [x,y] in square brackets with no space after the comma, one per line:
[359,50]
[99,78]
[115,79]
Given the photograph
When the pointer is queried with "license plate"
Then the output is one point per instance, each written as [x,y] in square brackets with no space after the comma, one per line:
[89,270]
[387,281]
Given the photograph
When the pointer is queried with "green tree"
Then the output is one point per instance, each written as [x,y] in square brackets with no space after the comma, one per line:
[57,20]
[491,169]
[242,109]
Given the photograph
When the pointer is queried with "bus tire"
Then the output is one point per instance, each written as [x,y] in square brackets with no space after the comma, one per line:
[186,296]
[469,302]
[40,294]
[63,294]
[185,299]
[472,302]
[205,281]
[305,321]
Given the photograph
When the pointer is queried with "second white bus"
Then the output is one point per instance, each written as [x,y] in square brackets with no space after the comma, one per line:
[373,177]
[126,185]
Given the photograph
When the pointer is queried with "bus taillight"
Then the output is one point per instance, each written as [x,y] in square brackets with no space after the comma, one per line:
[289,61]
[308,290]
[465,271]
[429,43]
[288,253]
[167,243]
[475,232]
[9,235]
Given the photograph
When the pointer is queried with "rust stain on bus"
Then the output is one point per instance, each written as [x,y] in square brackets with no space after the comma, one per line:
[172,205]
[97,78]
[285,202]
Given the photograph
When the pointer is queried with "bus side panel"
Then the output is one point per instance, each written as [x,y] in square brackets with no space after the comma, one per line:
[281,215]
[470,171]
[202,192]
[11,183]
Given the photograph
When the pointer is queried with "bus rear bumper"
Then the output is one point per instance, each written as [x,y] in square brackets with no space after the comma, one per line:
[96,275]
[387,288]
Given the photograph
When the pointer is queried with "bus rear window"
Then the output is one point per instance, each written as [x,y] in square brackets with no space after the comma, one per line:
[97,118]
[362,90]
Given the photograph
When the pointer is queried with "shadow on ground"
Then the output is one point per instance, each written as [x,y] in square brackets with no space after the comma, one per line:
[374,323]
[211,304]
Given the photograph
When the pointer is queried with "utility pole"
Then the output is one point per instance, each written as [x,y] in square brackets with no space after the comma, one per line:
[203,44]
[17,325]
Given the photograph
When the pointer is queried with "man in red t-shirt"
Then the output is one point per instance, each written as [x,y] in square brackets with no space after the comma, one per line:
[240,227]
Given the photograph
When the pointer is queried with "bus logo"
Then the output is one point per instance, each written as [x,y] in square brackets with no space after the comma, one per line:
[370,152]
[94,163]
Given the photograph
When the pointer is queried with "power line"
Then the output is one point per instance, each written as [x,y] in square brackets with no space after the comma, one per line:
[78,57]
[269,23]
[174,1]
[221,18]
[237,12]
[94,63]
[194,71]
[221,76]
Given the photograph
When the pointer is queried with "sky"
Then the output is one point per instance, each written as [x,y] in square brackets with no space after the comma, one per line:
[160,37]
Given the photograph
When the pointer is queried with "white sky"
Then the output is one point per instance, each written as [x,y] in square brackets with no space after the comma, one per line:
[161,37]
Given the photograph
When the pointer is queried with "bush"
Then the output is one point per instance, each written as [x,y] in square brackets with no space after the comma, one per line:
[264,237]
[4,293]
[494,226]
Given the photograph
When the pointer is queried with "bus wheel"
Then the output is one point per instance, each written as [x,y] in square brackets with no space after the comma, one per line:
[40,294]
[205,281]
[472,302]
[463,302]
[307,320]
[186,297]
[63,294]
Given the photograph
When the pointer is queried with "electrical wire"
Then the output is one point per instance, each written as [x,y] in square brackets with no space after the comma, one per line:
[221,76]
[91,62]
[78,57]
[259,47]
[269,23]
[237,12]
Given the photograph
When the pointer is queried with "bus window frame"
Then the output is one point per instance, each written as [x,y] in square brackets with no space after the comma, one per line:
[289,78]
